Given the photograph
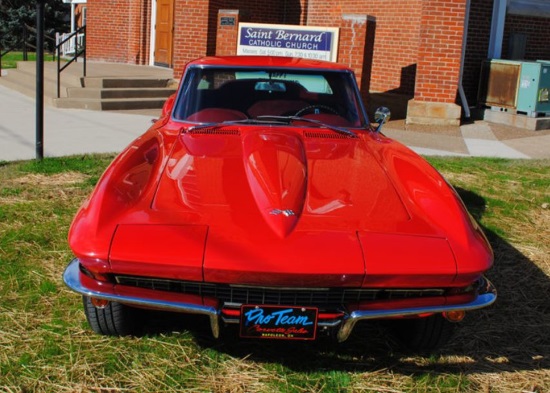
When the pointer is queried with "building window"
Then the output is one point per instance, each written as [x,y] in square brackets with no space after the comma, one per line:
[84,9]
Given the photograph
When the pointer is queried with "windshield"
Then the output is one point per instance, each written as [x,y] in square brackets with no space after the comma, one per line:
[211,95]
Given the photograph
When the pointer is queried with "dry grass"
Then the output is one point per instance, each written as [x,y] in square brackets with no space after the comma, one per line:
[46,346]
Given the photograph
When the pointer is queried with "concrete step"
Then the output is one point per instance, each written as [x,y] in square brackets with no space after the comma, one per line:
[69,76]
[26,85]
[98,93]
[109,104]
[118,82]
[108,86]
[23,79]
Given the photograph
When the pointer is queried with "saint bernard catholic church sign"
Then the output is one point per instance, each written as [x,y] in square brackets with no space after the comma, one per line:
[319,43]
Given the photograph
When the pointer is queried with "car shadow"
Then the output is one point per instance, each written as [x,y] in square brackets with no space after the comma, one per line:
[511,335]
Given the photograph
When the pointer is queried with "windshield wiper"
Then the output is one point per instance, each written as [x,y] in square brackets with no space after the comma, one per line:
[340,130]
[231,122]
[270,119]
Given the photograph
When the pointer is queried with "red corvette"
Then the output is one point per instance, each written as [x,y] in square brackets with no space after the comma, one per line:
[263,197]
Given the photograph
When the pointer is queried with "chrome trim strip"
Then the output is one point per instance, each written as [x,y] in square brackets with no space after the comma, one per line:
[71,277]
[487,294]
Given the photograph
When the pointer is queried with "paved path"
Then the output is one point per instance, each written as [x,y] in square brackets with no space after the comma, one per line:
[73,131]
[478,139]
[66,131]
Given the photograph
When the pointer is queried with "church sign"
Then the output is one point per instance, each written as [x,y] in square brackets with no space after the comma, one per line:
[310,42]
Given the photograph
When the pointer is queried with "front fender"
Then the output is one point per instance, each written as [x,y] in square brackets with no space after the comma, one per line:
[430,198]
[127,185]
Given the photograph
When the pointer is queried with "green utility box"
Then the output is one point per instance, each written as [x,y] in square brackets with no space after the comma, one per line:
[534,84]
[516,86]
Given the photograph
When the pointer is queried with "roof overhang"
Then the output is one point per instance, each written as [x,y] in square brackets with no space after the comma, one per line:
[540,8]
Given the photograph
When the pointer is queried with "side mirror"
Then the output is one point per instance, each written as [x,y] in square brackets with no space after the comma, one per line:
[381,116]
[167,107]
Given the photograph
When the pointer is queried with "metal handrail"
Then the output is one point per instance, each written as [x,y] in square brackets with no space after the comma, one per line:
[16,46]
[26,45]
[33,30]
[79,50]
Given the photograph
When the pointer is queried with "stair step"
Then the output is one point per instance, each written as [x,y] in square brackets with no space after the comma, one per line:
[107,82]
[122,86]
[25,82]
[50,72]
[97,93]
[27,86]
[107,104]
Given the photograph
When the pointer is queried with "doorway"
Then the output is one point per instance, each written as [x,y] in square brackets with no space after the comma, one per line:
[164,31]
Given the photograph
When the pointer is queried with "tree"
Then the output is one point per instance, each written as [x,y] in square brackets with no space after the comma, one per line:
[14,14]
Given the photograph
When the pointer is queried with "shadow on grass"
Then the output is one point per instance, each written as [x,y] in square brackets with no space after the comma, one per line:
[512,335]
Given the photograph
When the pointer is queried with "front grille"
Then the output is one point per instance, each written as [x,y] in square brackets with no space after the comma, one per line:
[215,131]
[326,135]
[316,297]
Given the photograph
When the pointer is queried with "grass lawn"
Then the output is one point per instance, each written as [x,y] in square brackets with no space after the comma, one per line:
[10,59]
[46,345]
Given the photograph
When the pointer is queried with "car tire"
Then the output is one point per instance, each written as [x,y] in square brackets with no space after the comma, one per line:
[424,334]
[115,319]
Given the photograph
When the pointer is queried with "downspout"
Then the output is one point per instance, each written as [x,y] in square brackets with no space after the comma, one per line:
[461,93]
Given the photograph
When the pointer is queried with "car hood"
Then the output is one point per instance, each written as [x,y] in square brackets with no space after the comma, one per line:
[276,181]
[283,206]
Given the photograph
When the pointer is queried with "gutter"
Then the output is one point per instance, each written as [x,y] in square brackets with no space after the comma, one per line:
[463,99]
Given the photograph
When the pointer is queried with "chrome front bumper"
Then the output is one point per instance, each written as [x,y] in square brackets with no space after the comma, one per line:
[486,296]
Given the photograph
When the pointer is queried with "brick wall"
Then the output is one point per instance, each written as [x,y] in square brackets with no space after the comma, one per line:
[351,51]
[107,36]
[408,36]
[537,31]
[291,13]
[391,46]
[396,34]
[192,42]
[394,51]
[139,31]
[190,36]
[227,35]
[118,31]
[441,33]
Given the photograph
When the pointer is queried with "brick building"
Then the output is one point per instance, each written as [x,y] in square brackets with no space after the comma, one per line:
[416,56]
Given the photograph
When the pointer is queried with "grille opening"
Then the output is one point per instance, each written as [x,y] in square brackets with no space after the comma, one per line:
[215,131]
[316,297]
[326,135]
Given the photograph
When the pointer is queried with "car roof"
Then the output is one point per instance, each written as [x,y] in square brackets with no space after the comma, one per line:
[269,61]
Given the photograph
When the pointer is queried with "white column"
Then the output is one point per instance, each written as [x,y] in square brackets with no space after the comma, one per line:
[73,22]
[153,32]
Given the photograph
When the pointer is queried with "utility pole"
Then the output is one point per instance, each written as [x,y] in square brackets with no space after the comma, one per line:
[40,79]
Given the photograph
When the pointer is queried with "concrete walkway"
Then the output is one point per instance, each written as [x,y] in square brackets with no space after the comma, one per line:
[73,131]
[66,131]
[476,139]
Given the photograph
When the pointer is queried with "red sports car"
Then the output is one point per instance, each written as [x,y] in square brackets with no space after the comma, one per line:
[263,197]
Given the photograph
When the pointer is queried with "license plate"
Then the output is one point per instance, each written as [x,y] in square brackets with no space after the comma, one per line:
[278,322]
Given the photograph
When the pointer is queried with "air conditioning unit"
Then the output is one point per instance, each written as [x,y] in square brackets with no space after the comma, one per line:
[516,86]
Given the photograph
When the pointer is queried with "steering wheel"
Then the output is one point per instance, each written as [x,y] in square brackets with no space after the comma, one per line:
[316,107]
